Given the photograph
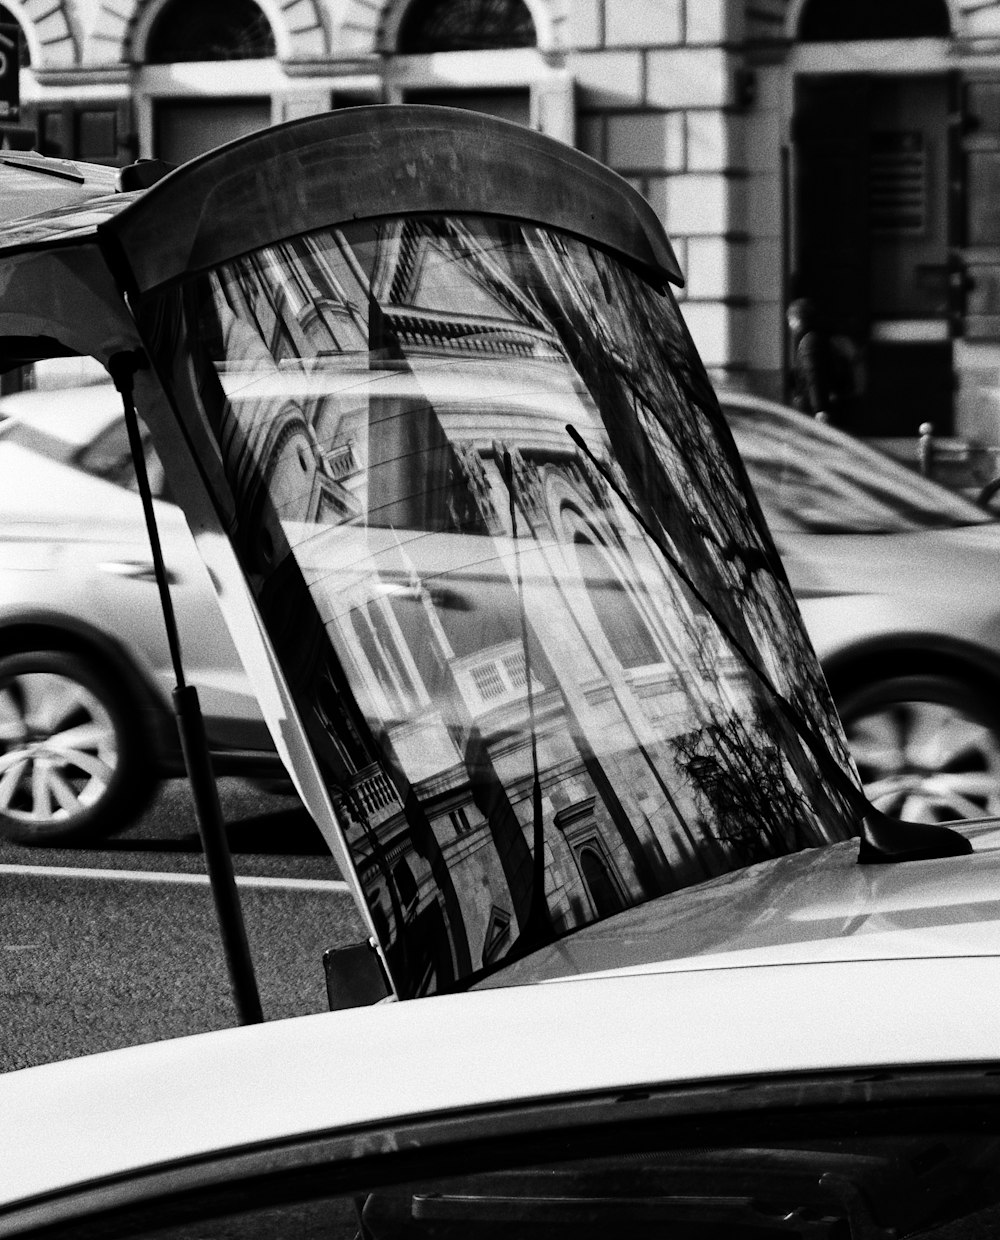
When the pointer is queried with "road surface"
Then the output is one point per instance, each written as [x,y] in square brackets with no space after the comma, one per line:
[119,944]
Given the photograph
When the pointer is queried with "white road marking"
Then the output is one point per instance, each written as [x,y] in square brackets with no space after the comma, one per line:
[331,885]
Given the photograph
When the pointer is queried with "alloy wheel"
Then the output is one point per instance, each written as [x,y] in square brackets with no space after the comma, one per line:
[58,748]
[926,761]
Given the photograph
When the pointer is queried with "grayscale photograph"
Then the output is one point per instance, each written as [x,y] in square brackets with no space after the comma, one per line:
[500,619]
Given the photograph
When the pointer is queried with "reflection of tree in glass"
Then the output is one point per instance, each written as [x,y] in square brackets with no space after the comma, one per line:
[739,772]
[727,516]
[689,491]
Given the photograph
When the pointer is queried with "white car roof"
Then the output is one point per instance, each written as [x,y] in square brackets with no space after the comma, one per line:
[79,1121]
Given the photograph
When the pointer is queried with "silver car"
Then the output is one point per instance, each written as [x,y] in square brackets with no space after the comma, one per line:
[86,724]
[899,583]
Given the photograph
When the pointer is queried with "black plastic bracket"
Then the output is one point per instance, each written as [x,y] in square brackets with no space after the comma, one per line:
[887,840]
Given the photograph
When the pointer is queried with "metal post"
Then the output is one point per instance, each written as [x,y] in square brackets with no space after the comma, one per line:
[194,742]
[218,860]
[926,449]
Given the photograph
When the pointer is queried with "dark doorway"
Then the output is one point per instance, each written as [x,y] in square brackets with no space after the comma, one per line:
[871,237]
[186,128]
[509,105]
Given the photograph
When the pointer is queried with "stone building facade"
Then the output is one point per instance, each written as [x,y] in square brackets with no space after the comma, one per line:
[844,149]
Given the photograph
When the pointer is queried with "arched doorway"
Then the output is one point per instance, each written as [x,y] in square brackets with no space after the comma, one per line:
[473,26]
[8,19]
[190,30]
[14,56]
[600,885]
[432,27]
[874,214]
[834,21]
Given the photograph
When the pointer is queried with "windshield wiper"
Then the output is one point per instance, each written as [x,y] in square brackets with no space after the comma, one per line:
[882,839]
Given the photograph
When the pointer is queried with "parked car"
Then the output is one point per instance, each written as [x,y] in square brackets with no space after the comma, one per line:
[86,723]
[762,1101]
[898,580]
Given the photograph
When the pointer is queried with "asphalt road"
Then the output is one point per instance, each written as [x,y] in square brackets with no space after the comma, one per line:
[119,943]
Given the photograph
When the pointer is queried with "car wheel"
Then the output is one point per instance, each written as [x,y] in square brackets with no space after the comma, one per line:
[71,762]
[927,747]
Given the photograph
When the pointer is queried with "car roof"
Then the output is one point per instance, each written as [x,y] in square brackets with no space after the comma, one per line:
[46,201]
[82,1121]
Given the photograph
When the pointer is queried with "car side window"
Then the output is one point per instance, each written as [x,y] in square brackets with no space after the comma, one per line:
[109,456]
[814,480]
[332,1218]
[827,1186]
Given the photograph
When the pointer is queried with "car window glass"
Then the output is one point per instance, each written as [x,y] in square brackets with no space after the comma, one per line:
[935,1184]
[479,611]
[109,456]
[814,480]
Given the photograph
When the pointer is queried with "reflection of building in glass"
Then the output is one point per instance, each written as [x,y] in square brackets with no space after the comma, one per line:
[508,685]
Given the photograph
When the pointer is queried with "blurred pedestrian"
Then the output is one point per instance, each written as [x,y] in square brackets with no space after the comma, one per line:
[823,374]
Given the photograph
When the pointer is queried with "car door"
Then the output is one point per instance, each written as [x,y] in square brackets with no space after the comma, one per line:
[128,599]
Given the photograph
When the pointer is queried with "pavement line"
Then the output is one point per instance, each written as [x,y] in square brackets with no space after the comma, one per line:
[169,876]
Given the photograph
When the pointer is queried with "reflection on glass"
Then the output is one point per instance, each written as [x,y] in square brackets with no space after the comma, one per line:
[812,479]
[518,661]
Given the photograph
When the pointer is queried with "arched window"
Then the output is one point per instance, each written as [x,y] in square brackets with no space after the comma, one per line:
[226,30]
[465,26]
[828,21]
[617,613]
[7,18]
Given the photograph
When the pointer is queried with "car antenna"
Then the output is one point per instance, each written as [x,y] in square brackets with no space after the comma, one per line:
[191,726]
[883,839]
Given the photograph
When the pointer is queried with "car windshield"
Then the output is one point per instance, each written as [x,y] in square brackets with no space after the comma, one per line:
[811,479]
[501,542]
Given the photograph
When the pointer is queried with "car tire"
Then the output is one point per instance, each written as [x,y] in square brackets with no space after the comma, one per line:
[72,760]
[927,747]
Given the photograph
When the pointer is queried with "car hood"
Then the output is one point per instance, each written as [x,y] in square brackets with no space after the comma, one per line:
[815,905]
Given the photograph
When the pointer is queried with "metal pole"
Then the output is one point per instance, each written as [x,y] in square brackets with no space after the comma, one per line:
[191,727]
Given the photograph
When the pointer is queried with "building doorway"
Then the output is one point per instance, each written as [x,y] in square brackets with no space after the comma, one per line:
[185,128]
[873,226]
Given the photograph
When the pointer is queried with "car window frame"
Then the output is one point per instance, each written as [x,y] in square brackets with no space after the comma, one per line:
[364,1157]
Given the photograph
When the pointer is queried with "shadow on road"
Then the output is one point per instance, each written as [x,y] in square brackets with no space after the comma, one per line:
[286,833]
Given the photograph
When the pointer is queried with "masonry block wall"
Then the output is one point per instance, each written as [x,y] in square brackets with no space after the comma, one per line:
[660,97]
